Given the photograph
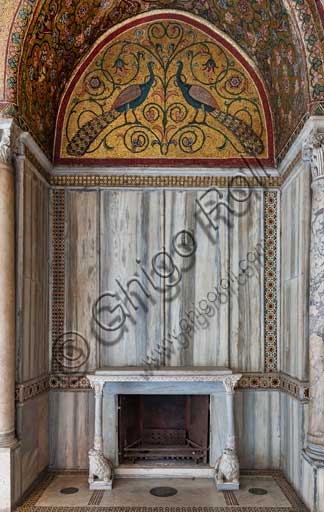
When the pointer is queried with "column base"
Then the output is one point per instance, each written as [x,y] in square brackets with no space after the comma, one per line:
[100,471]
[97,485]
[315,452]
[312,490]
[7,472]
[227,471]
[8,440]
[227,486]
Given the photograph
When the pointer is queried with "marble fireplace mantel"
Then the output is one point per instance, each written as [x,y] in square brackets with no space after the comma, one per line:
[165,374]
[165,380]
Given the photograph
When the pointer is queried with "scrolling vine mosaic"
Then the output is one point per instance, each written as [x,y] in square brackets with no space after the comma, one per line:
[50,37]
[164,89]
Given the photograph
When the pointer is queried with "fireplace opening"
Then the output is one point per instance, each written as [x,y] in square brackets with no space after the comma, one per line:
[163,428]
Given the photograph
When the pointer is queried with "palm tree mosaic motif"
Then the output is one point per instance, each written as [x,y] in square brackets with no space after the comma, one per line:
[165,89]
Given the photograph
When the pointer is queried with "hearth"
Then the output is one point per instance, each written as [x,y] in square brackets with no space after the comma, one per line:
[163,427]
[170,421]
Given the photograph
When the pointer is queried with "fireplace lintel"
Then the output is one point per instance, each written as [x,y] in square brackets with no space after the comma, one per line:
[167,373]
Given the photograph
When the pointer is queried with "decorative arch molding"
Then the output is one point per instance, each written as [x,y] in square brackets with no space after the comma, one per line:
[310,25]
[164,88]
[250,34]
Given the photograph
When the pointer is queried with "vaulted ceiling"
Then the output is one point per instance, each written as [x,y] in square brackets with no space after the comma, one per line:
[46,39]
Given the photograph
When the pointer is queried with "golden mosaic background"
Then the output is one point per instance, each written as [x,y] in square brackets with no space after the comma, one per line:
[152,66]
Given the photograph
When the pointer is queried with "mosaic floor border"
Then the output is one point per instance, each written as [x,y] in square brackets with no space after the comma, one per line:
[30,504]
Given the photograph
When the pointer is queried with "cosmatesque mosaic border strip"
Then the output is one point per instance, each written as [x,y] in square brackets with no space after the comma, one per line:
[270,280]
[30,389]
[289,493]
[159,509]
[230,498]
[255,381]
[96,498]
[163,181]
[57,271]
[294,387]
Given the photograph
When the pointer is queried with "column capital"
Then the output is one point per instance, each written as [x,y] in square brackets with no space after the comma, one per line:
[230,383]
[313,152]
[97,385]
[5,146]
[11,144]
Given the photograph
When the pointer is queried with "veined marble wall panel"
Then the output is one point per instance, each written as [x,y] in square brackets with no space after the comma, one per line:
[246,301]
[32,430]
[114,245]
[32,279]
[197,327]
[218,417]
[320,489]
[71,429]
[131,234]
[307,487]
[295,243]
[258,426]
[294,417]
[81,277]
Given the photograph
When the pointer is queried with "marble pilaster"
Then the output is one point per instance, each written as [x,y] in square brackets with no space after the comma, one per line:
[314,152]
[7,319]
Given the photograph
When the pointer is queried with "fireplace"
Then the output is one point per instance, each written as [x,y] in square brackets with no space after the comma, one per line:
[163,427]
[171,421]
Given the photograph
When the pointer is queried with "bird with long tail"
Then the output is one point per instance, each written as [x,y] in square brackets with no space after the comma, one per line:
[200,98]
[128,99]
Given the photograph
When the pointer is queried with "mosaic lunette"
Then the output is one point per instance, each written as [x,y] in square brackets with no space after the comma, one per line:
[164,89]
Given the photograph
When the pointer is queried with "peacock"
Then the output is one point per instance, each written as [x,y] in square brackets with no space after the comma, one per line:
[128,99]
[200,98]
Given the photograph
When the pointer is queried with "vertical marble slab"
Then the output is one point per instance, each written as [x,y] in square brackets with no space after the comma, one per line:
[110,426]
[307,487]
[17,483]
[131,235]
[33,252]
[25,348]
[195,321]
[81,278]
[246,304]
[295,243]
[258,425]
[218,418]
[71,428]
[32,430]
[320,490]
[294,418]
[304,255]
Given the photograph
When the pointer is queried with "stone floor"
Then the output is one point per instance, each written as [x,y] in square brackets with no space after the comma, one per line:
[193,495]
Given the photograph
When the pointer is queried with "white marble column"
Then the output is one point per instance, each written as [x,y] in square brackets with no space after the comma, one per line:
[100,468]
[7,294]
[229,385]
[314,152]
[227,466]
[98,439]
[7,319]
